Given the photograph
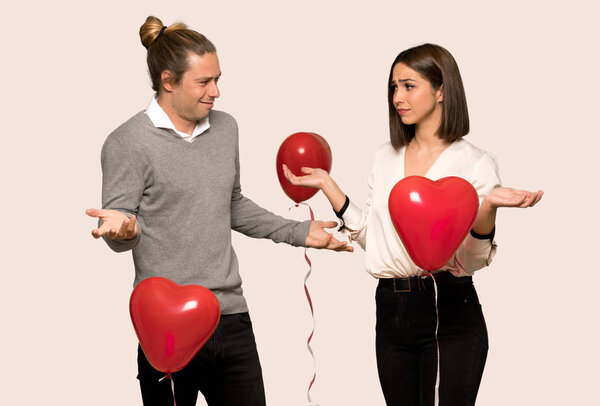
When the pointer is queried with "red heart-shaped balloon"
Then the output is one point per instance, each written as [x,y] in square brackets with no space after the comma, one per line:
[171,321]
[298,150]
[432,218]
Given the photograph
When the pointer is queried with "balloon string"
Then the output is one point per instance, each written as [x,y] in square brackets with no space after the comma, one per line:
[312,381]
[437,344]
[169,377]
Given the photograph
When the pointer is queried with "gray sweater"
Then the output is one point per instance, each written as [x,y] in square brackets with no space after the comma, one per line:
[187,199]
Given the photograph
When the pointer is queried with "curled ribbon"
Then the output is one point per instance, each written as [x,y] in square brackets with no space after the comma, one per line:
[437,344]
[312,381]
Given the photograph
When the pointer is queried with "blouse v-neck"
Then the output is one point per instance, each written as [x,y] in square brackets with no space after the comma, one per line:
[433,165]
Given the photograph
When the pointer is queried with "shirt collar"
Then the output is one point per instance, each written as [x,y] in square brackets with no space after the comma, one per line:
[160,119]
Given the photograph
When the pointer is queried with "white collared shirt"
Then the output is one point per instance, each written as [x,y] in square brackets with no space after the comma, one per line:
[160,119]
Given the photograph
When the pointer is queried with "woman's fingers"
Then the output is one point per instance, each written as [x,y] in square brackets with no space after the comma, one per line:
[312,177]
[293,179]
[535,197]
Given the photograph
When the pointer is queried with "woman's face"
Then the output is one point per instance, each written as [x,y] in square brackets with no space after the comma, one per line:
[415,100]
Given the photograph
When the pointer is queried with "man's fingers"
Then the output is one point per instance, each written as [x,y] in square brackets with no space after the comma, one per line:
[329,238]
[131,226]
[329,242]
[100,231]
[92,212]
[340,246]
[123,229]
[112,234]
[323,241]
[328,224]
[334,243]
[115,224]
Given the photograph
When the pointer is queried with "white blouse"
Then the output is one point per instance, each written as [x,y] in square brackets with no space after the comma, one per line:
[374,231]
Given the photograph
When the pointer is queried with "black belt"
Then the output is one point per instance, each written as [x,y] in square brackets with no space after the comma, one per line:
[418,283]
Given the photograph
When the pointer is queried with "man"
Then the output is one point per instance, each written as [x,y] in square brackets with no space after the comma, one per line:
[171,193]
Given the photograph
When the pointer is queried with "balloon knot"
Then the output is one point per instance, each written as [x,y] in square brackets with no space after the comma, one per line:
[167,376]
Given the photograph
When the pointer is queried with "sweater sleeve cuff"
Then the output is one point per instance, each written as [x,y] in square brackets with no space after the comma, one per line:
[123,245]
[300,233]
[489,236]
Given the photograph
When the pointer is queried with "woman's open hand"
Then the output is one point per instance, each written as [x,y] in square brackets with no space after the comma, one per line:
[509,197]
[313,177]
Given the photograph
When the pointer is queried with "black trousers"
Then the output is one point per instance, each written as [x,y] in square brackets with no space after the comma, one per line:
[226,370]
[406,345]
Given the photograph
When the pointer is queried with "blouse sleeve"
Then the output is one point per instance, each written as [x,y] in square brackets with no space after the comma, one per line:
[476,253]
[355,219]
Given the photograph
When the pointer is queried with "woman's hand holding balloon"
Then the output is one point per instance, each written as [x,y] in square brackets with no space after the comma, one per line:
[319,179]
[313,177]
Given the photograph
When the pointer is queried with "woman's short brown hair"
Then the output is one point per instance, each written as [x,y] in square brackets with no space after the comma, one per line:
[169,48]
[436,65]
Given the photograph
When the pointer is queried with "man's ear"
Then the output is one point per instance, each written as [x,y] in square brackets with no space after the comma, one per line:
[166,80]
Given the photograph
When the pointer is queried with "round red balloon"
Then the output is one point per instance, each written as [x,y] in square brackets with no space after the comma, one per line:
[432,218]
[172,322]
[298,150]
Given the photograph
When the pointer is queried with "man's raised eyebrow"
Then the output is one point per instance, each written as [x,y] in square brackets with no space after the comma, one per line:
[203,78]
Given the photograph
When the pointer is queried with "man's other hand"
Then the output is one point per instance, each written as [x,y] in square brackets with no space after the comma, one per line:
[318,237]
[115,224]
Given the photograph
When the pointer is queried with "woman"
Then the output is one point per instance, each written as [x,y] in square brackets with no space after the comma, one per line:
[428,118]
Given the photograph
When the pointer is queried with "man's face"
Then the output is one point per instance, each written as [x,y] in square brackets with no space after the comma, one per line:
[194,96]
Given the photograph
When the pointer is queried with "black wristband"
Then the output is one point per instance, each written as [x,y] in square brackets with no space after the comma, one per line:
[489,236]
[340,213]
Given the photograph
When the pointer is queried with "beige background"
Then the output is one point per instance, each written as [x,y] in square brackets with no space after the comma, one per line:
[72,71]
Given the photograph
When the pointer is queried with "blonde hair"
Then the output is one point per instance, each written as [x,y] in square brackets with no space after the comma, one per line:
[170,49]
